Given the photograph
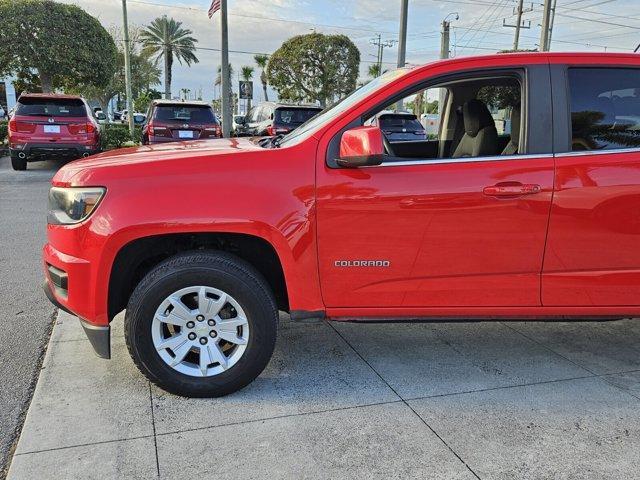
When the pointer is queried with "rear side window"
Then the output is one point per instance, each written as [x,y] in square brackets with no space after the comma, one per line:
[294,117]
[185,114]
[50,107]
[400,123]
[605,108]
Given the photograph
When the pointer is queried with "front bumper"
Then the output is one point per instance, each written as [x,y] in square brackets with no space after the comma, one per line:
[64,150]
[67,286]
[99,336]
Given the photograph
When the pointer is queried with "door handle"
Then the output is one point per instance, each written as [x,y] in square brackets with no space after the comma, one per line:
[511,189]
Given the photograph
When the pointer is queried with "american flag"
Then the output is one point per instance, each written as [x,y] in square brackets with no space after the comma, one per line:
[215,6]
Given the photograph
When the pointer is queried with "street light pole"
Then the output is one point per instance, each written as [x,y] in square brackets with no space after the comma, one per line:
[127,66]
[224,71]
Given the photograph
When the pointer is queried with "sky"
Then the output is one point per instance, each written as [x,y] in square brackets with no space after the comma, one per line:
[261,26]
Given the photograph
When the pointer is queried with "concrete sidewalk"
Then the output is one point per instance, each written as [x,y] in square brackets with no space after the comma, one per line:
[475,400]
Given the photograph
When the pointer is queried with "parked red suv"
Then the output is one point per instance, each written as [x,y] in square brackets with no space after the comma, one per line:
[50,126]
[536,220]
[172,121]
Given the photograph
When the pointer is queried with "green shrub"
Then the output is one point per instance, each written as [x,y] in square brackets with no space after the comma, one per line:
[116,136]
[4,128]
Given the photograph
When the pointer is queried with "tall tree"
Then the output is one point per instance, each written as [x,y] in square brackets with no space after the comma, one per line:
[261,61]
[52,40]
[247,75]
[144,75]
[314,67]
[165,39]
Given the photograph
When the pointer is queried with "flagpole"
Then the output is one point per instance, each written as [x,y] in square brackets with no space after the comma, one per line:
[226,87]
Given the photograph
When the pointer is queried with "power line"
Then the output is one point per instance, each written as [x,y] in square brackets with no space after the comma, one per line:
[604,22]
[529,37]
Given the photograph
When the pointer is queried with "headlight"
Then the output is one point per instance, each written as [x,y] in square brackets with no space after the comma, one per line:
[72,205]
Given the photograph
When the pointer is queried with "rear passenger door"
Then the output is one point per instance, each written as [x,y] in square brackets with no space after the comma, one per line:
[593,248]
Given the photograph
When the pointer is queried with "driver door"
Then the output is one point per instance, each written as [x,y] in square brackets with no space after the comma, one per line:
[439,232]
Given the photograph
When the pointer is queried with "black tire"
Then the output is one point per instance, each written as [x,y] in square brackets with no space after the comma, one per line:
[216,269]
[18,163]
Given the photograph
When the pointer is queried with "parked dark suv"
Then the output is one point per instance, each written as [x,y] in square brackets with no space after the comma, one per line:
[172,121]
[400,127]
[268,119]
[51,125]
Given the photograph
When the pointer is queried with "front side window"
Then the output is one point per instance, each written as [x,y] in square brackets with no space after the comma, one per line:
[475,117]
[605,108]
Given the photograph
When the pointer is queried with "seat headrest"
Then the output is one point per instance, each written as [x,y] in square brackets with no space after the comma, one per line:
[476,116]
[515,125]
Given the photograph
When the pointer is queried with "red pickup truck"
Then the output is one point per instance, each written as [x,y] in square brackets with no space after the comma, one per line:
[525,205]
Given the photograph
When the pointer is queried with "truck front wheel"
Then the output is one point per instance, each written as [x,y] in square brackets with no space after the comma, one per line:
[201,324]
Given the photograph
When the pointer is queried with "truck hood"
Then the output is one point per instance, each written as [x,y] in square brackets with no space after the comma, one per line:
[151,157]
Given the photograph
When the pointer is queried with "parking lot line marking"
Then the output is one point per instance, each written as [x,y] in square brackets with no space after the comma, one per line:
[153,424]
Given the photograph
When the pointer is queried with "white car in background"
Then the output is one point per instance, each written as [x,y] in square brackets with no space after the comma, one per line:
[138,118]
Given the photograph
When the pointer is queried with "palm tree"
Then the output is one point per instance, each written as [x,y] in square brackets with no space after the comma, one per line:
[261,61]
[374,70]
[165,39]
[247,75]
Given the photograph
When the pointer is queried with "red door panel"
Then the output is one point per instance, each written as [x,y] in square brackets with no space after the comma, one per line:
[427,235]
[593,249]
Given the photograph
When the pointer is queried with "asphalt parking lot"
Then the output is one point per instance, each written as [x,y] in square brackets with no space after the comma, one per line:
[492,400]
[26,314]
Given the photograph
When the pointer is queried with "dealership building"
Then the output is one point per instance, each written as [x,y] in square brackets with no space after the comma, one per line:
[7,94]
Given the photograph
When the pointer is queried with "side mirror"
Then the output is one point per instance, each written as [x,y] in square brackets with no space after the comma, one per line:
[361,147]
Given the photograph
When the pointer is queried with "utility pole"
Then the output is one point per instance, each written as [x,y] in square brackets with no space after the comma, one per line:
[553,19]
[377,41]
[445,39]
[518,12]
[224,71]
[402,42]
[402,46]
[546,21]
[127,66]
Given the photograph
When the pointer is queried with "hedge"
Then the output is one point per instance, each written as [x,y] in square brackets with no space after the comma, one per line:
[4,126]
[114,135]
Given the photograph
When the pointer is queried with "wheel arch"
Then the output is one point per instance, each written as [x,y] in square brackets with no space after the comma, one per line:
[137,257]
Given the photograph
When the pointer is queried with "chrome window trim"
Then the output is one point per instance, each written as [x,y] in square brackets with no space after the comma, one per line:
[583,153]
[439,161]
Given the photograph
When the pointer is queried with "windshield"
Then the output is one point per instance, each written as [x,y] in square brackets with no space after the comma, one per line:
[293,117]
[400,123]
[185,114]
[51,107]
[332,113]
